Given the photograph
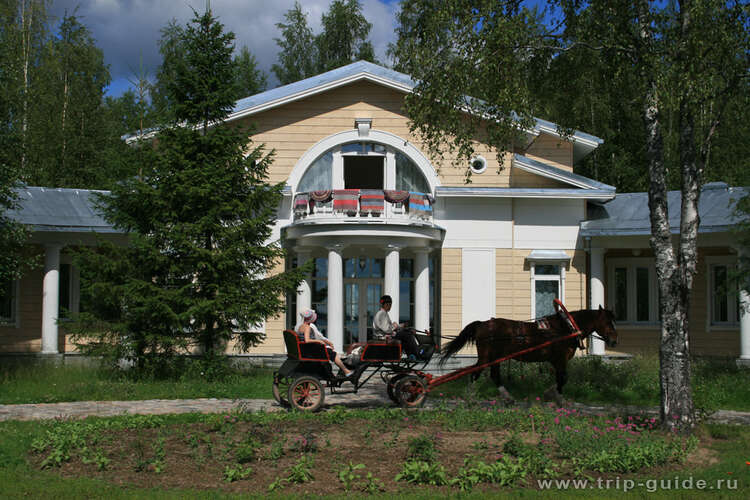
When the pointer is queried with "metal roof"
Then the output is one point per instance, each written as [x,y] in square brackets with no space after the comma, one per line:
[628,213]
[59,210]
[558,174]
[496,192]
[363,70]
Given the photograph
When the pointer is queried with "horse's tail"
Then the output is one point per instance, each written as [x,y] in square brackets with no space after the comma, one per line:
[467,335]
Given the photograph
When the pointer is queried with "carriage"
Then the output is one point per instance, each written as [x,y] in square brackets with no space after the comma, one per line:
[299,383]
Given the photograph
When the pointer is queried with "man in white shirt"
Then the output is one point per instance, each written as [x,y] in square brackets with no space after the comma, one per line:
[382,325]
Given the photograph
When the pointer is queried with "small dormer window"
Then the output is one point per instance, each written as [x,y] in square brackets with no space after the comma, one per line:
[478,164]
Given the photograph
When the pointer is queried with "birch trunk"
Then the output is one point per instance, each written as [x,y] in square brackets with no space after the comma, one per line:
[675,273]
[26,24]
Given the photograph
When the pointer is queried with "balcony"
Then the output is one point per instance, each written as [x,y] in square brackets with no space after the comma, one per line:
[363,206]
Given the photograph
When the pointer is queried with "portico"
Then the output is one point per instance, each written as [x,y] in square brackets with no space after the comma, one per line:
[353,268]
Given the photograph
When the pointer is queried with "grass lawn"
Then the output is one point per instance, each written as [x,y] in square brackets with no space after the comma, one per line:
[486,453]
[51,383]
[716,384]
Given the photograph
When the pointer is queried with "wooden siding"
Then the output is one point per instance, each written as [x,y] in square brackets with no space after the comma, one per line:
[552,150]
[704,339]
[294,128]
[520,178]
[450,291]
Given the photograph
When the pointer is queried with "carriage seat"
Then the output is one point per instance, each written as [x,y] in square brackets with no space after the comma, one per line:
[304,351]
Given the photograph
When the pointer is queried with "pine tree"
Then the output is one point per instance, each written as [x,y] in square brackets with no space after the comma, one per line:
[249,79]
[198,269]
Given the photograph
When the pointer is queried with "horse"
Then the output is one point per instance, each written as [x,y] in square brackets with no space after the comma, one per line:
[498,337]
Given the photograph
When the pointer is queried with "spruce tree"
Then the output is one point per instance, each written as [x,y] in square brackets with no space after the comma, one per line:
[198,268]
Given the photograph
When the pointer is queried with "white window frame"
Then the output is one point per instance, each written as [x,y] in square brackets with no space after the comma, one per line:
[633,263]
[15,320]
[730,262]
[559,278]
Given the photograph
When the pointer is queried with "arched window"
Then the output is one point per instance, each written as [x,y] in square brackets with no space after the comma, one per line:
[408,175]
[318,175]
[363,165]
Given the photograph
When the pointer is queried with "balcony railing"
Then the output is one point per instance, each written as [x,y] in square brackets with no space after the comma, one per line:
[363,204]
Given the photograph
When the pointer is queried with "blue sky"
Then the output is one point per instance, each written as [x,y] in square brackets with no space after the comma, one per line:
[128,30]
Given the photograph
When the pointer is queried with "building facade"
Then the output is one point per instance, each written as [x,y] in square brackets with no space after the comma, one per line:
[378,214]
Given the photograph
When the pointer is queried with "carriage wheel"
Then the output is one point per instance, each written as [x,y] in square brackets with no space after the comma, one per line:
[280,390]
[306,394]
[391,386]
[410,392]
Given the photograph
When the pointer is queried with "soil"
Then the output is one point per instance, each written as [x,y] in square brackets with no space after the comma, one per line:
[196,456]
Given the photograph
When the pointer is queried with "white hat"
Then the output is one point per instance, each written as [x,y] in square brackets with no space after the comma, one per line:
[309,315]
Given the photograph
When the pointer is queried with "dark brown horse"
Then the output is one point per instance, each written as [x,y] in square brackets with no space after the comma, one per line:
[497,338]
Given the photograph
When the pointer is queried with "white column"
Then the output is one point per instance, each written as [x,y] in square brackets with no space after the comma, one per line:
[744,327]
[596,283]
[304,294]
[336,297]
[392,278]
[421,290]
[50,298]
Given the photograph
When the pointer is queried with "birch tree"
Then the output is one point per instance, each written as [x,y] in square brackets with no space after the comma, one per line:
[689,58]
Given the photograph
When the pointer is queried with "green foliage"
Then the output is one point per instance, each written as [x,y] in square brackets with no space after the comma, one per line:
[344,36]
[420,472]
[299,473]
[504,472]
[297,54]
[305,443]
[197,271]
[249,79]
[422,448]
[247,451]
[348,474]
[236,473]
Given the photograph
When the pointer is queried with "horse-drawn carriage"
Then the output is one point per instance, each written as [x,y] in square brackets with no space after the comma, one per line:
[299,382]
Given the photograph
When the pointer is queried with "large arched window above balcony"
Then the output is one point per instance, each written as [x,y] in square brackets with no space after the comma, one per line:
[347,161]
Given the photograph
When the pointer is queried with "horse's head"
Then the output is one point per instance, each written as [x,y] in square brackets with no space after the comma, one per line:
[605,326]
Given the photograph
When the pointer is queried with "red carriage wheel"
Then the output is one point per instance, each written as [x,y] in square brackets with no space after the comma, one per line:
[391,386]
[410,392]
[306,394]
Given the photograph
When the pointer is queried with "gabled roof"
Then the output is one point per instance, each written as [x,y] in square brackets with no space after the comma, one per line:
[59,210]
[558,174]
[366,71]
[628,213]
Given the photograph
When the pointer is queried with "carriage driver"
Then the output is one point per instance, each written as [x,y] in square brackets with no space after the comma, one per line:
[308,332]
[382,326]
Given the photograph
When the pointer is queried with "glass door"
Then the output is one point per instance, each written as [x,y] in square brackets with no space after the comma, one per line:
[361,302]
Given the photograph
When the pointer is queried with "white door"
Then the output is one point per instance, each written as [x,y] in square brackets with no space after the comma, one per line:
[477,284]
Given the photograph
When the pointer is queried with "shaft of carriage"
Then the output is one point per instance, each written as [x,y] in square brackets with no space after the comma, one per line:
[448,377]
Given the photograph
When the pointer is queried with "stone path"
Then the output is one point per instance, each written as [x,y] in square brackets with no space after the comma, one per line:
[369,396]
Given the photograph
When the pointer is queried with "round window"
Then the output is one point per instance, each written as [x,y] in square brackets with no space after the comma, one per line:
[478,165]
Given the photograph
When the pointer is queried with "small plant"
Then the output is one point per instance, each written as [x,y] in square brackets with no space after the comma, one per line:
[420,472]
[348,475]
[247,451]
[422,449]
[299,473]
[372,484]
[98,459]
[504,472]
[236,472]
[276,451]
[305,443]
[481,445]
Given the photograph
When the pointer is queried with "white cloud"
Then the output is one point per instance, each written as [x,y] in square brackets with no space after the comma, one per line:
[128,30]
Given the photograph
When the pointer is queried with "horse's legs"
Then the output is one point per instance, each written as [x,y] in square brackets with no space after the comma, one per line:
[495,372]
[561,374]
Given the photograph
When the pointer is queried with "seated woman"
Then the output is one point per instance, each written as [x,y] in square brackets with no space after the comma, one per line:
[307,332]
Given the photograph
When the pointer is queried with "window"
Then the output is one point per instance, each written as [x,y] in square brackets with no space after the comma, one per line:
[478,164]
[8,299]
[546,285]
[633,293]
[363,165]
[722,294]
